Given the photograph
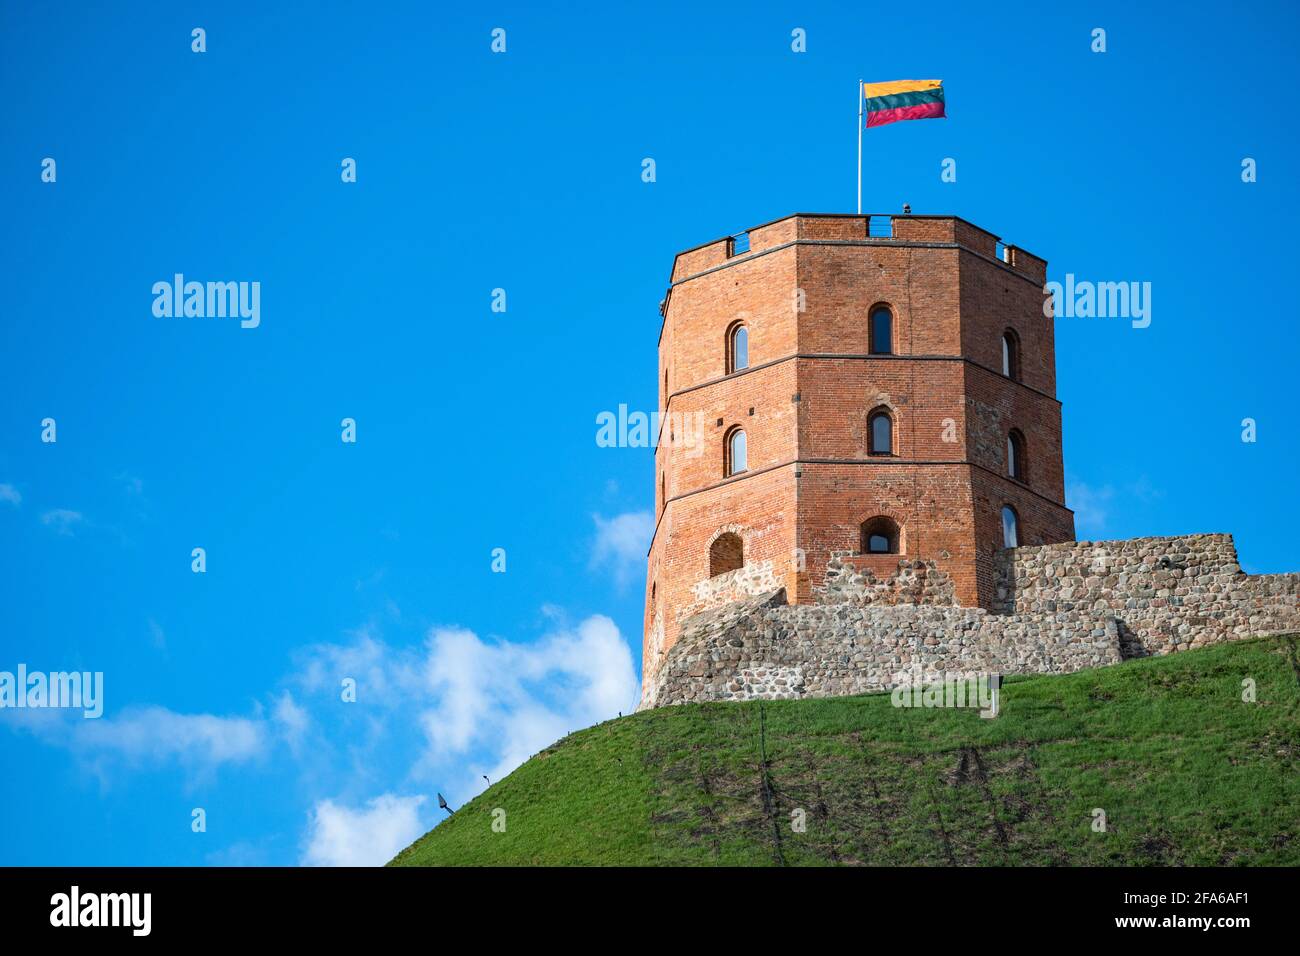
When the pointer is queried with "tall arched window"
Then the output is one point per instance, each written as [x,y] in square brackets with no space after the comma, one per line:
[880,428]
[737,456]
[726,554]
[1011,355]
[880,536]
[737,348]
[1010,527]
[1016,455]
[882,331]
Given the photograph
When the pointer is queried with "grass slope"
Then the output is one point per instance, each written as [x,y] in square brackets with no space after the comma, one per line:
[1186,772]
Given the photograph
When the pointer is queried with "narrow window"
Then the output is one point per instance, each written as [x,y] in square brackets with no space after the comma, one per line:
[1015,455]
[879,536]
[1010,355]
[881,427]
[1010,528]
[737,349]
[737,457]
[726,554]
[882,331]
[663,491]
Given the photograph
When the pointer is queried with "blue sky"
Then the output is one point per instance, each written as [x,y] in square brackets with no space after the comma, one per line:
[476,429]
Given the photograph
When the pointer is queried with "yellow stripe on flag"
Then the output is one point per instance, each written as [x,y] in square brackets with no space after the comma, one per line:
[899,86]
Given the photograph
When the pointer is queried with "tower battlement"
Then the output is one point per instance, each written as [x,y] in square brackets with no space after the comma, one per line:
[869,228]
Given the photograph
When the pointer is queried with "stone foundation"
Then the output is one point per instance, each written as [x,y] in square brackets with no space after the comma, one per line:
[1059,608]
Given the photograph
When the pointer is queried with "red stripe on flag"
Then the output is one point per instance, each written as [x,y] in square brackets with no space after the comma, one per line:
[924,111]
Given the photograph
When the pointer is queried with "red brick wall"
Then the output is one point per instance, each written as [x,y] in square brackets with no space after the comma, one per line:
[842,283]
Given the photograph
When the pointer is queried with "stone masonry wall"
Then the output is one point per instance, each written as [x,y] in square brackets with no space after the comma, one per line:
[916,581]
[1060,608]
[758,577]
[1169,594]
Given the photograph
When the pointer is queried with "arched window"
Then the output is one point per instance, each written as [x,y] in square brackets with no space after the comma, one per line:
[1010,527]
[726,554]
[880,428]
[1016,455]
[737,458]
[882,331]
[880,536]
[737,348]
[663,491]
[1011,355]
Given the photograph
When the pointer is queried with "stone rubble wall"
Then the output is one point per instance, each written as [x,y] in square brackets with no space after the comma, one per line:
[654,652]
[753,579]
[1170,594]
[912,582]
[1060,608]
[915,582]
[766,649]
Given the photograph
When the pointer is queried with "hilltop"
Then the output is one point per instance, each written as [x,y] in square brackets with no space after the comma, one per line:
[1186,772]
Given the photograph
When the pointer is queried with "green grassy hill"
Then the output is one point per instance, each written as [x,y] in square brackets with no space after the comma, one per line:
[1186,772]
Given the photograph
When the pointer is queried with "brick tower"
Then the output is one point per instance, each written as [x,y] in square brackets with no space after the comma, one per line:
[878,389]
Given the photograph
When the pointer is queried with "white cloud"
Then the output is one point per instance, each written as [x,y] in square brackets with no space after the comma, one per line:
[483,706]
[1095,506]
[62,520]
[504,702]
[156,734]
[292,720]
[10,494]
[622,542]
[341,836]
[381,675]
[146,737]
[1091,508]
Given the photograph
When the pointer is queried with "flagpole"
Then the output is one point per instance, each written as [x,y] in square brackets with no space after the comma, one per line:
[859,147]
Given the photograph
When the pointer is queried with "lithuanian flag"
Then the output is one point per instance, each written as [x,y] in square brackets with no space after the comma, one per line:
[902,100]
